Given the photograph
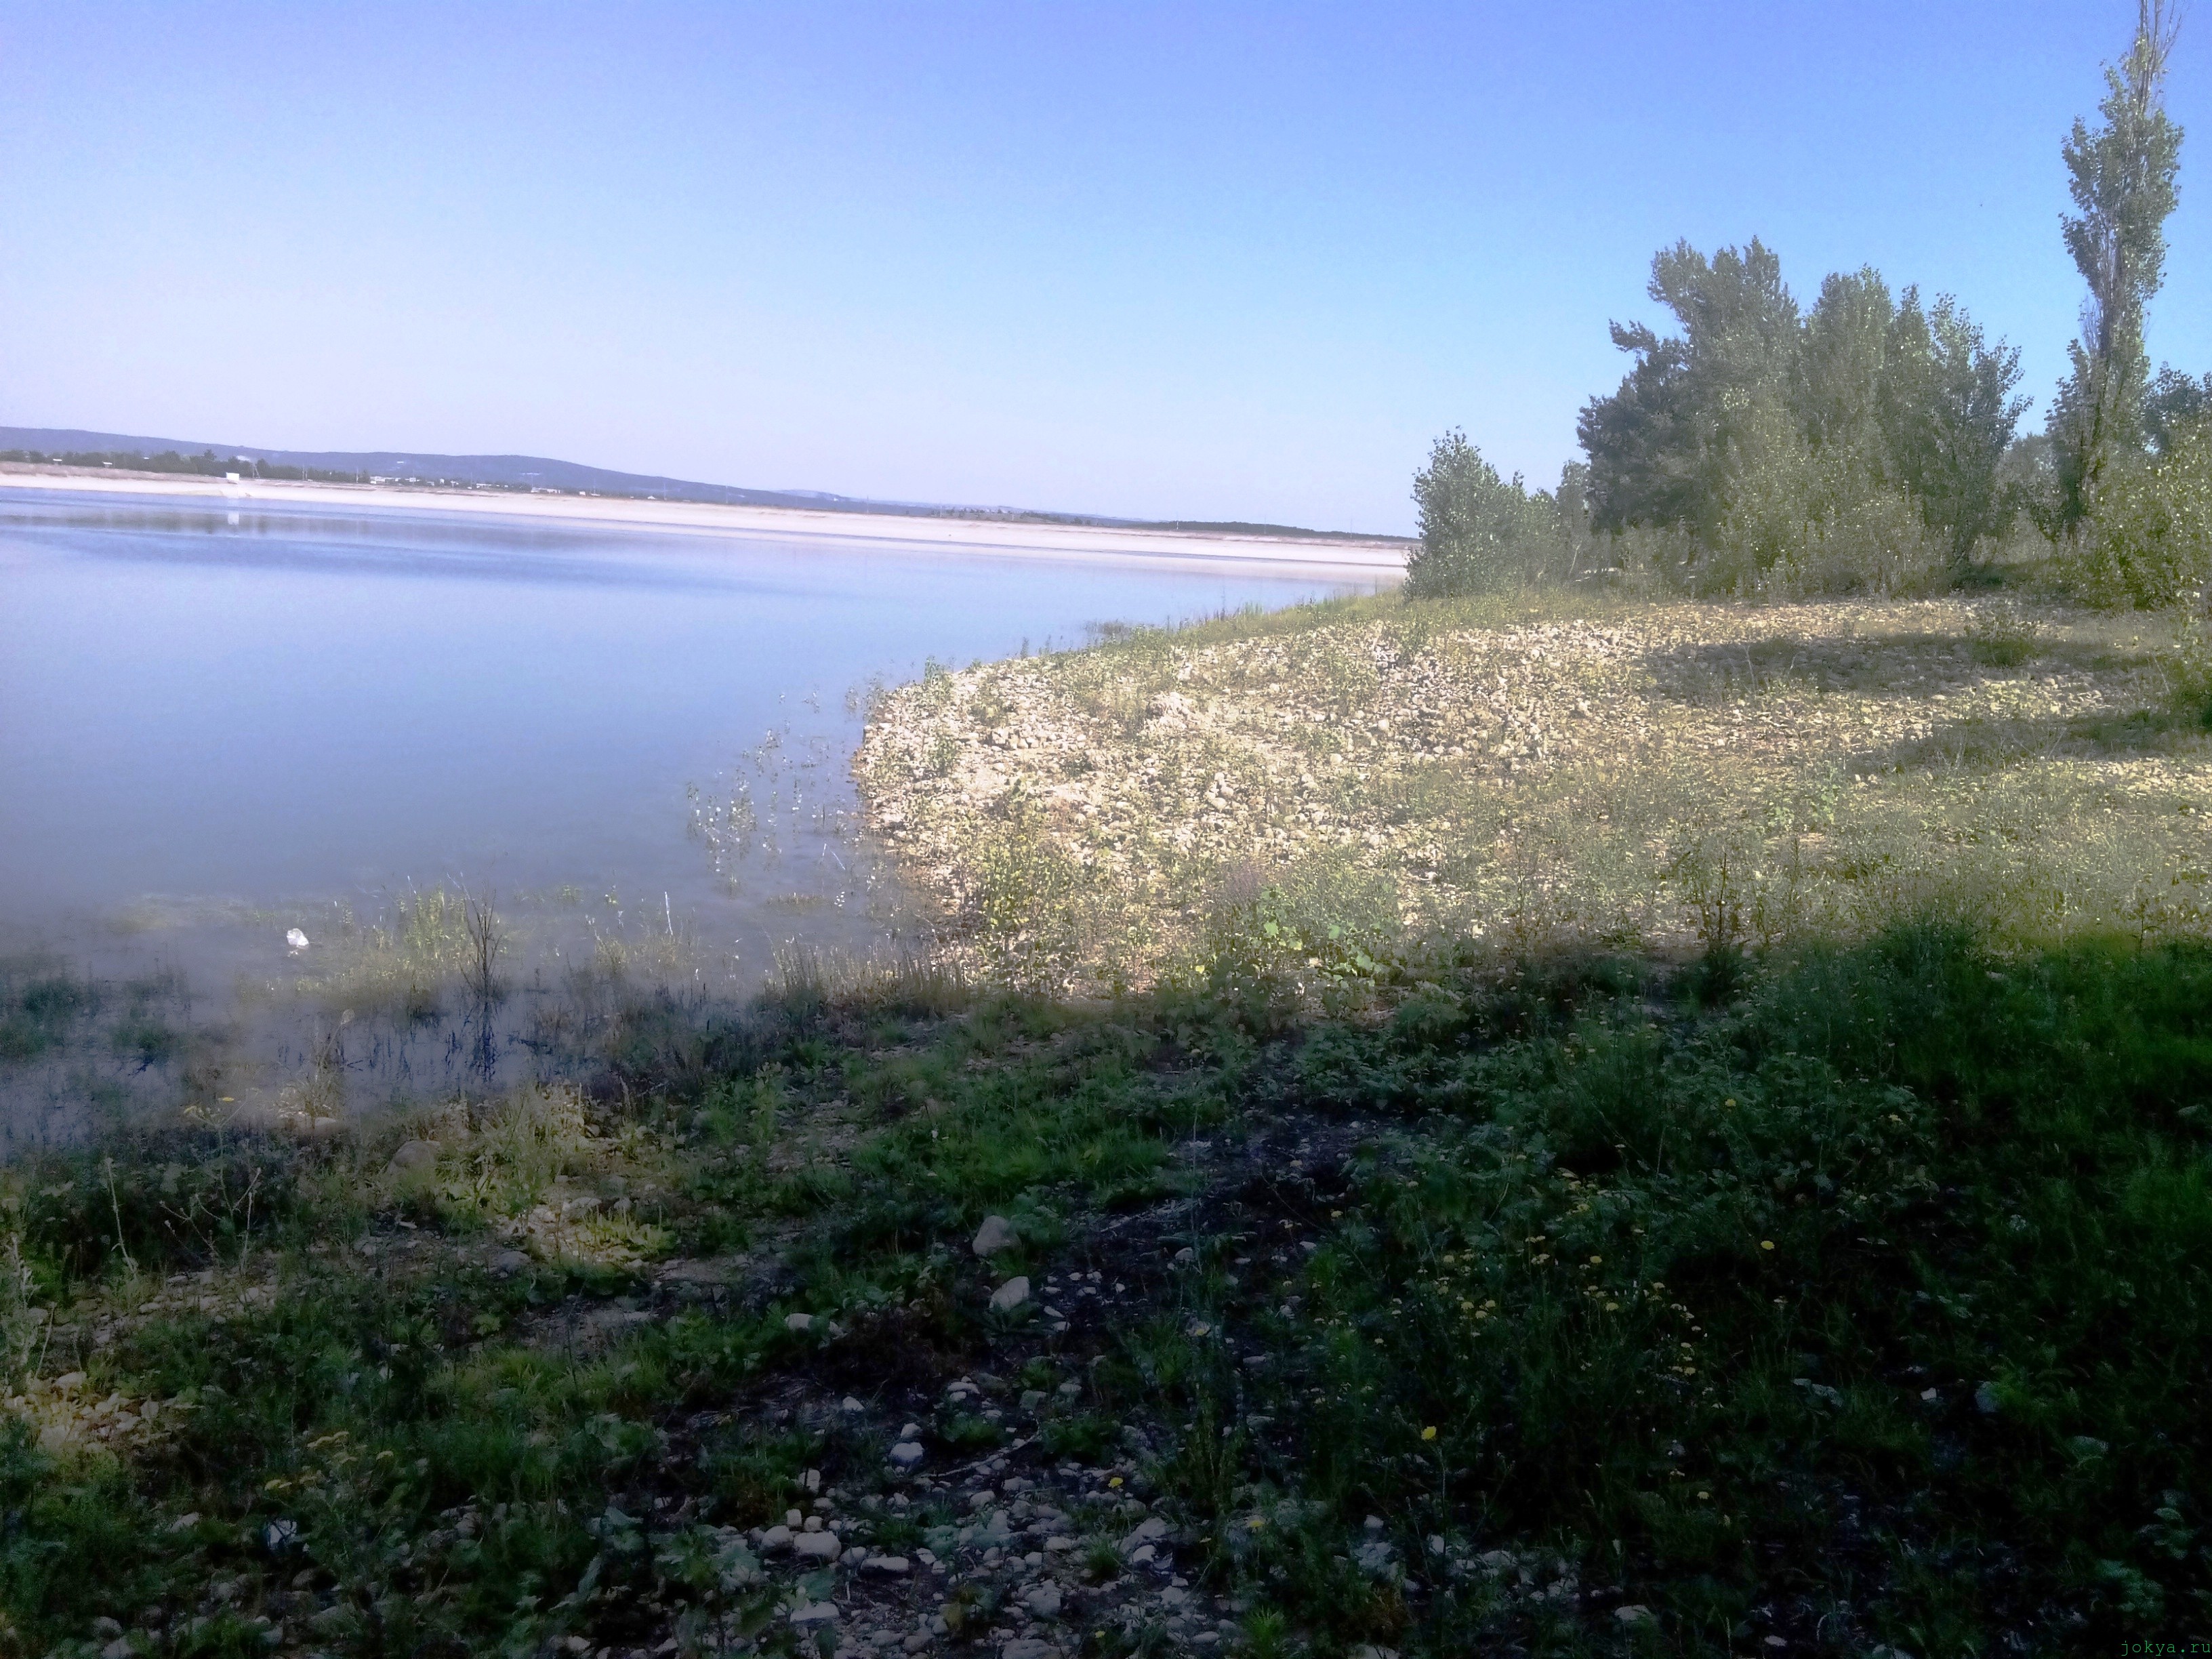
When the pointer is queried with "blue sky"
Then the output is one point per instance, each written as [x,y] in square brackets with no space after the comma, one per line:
[1178,260]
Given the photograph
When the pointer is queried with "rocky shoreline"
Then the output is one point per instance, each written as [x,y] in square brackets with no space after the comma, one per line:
[1454,775]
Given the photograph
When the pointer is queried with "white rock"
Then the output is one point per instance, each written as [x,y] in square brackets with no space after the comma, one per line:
[798,1322]
[1150,1532]
[776,1540]
[1010,1295]
[996,1234]
[1144,1555]
[1029,1647]
[894,1566]
[415,1154]
[1043,1600]
[816,1546]
[907,1454]
[296,939]
[1634,1613]
[851,1405]
[815,1614]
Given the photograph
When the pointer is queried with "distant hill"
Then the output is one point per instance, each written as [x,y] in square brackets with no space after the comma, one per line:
[515,473]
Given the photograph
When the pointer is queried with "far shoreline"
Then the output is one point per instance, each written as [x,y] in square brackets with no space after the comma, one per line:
[1381,560]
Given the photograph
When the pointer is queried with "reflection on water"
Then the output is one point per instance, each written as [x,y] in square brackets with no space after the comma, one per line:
[218,725]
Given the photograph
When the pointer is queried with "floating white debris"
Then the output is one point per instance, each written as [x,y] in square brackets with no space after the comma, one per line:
[296,939]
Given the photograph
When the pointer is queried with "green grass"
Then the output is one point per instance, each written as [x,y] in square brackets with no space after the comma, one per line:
[1855,1296]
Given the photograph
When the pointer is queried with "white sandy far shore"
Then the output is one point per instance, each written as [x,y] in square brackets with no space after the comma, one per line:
[1379,561]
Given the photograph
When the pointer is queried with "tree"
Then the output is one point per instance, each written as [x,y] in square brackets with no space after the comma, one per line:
[1663,447]
[1949,416]
[1479,532]
[2122,176]
[1841,363]
[2175,402]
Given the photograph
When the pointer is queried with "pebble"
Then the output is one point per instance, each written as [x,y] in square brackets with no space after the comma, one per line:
[816,1546]
[798,1322]
[907,1454]
[1634,1613]
[996,1234]
[895,1566]
[1010,1295]
[812,1615]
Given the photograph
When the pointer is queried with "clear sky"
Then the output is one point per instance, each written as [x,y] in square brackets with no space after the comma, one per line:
[1182,260]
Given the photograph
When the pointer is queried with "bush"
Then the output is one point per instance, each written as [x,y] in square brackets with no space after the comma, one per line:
[1479,532]
[2149,542]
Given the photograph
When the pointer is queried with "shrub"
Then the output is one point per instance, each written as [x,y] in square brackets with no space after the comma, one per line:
[2149,542]
[1479,532]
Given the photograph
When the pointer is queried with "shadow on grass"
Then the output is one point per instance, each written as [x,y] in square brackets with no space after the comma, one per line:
[1706,674]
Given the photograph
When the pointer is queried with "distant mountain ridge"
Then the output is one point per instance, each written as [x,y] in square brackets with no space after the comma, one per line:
[541,472]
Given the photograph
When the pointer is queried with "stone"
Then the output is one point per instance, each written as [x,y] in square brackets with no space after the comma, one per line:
[1010,1295]
[1029,1647]
[1032,1398]
[850,1404]
[1043,1600]
[907,1455]
[816,1546]
[915,1643]
[1634,1613]
[814,1615]
[776,1540]
[1144,1555]
[996,1234]
[507,1262]
[1150,1532]
[1373,1556]
[801,1322]
[891,1566]
[1987,1401]
[414,1156]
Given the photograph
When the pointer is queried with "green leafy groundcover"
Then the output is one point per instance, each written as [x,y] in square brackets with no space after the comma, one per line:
[1857,1299]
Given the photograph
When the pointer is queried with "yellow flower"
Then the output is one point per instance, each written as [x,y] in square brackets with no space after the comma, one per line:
[1429,1433]
[1765,1243]
[1597,1262]
[1115,1481]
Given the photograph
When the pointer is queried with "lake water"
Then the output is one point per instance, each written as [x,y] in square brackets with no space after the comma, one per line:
[217,725]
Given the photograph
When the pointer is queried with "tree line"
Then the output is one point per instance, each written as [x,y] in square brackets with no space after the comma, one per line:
[207,464]
[1872,441]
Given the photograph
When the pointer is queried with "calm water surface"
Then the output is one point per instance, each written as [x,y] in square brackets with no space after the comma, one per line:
[216,725]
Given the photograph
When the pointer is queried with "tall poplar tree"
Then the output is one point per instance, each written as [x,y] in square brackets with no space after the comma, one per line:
[2122,176]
